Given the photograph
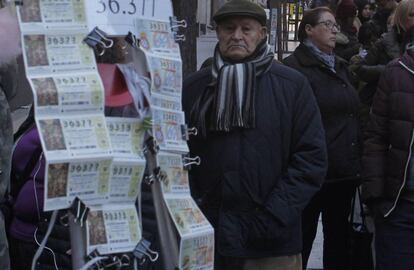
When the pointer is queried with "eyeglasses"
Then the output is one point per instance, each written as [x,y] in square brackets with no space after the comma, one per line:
[330,25]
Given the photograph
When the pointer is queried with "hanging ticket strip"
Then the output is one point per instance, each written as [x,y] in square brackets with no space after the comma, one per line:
[90,159]
[95,163]
[157,40]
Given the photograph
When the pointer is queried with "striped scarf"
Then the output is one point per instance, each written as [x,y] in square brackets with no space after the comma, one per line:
[230,98]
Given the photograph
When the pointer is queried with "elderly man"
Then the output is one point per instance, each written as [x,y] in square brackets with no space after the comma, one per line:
[261,144]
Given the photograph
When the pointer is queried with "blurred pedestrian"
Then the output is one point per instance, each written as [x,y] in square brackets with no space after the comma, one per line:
[388,182]
[261,145]
[9,50]
[338,102]
[347,44]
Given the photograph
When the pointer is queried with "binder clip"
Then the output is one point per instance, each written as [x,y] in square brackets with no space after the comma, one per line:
[132,40]
[142,251]
[178,37]
[188,161]
[186,132]
[95,259]
[175,23]
[98,40]
[80,211]
[150,146]
[18,3]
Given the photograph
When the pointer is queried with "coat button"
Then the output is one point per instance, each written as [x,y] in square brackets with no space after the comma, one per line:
[351,115]
[344,85]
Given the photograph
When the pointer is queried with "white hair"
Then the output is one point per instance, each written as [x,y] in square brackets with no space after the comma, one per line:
[10,46]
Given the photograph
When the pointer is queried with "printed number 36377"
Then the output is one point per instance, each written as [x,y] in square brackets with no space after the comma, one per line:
[131,8]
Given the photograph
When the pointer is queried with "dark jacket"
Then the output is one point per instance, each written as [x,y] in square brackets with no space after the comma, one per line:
[252,184]
[390,136]
[338,102]
[6,144]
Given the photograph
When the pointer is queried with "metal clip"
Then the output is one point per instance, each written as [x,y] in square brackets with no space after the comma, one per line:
[80,211]
[132,40]
[178,37]
[142,250]
[186,132]
[188,161]
[97,39]
[175,23]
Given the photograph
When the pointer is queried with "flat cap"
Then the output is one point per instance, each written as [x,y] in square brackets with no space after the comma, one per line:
[240,8]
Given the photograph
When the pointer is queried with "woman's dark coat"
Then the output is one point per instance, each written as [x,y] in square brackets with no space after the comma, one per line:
[338,102]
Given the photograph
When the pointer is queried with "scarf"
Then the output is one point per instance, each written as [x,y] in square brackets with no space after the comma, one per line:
[230,98]
[328,59]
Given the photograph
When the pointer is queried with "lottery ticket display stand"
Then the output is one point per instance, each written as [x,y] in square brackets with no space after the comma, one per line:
[96,160]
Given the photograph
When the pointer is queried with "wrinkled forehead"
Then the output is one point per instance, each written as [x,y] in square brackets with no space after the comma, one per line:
[239,21]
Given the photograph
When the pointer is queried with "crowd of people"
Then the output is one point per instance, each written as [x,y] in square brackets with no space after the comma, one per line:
[280,143]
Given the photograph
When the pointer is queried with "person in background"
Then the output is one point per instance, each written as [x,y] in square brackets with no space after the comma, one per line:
[365,11]
[388,182]
[261,145]
[347,44]
[338,102]
[9,50]
[388,47]
[384,10]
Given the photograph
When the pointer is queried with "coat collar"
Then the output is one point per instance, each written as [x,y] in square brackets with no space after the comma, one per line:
[306,58]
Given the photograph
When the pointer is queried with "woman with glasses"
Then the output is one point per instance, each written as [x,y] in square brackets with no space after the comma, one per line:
[338,102]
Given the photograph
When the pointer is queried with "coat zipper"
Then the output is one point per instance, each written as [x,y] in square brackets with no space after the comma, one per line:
[405,176]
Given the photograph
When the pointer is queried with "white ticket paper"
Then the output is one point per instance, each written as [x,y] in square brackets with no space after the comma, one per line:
[174,177]
[56,53]
[167,129]
[166,75]
[166,102]
[125,183]
[156,37]
[127,135]
[74,137]
[113,228]
[187,217]
[35,15]
[64,94]
[197,252]
[86,179]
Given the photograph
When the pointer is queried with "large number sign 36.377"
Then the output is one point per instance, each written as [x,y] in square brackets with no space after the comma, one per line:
[131,7]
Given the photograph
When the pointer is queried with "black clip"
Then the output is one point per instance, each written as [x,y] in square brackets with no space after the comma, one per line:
[186,132]
[155,175]
[108,261]
[98,40]
[18,3]
[150,146]
[132,40]
[79,210]
[143,251]
[188,161]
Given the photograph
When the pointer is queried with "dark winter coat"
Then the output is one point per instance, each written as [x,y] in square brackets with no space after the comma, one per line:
[390,136]
[338,102]
[6,144]
[252,184]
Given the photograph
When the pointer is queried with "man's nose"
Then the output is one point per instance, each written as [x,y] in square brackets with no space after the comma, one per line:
[237,34]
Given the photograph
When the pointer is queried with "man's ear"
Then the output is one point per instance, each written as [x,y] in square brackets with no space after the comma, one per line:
[264,32]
